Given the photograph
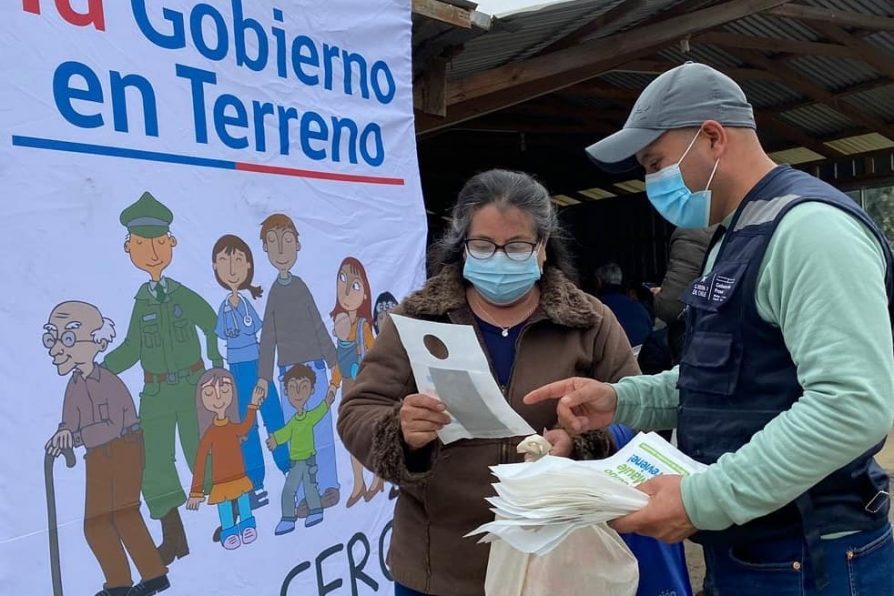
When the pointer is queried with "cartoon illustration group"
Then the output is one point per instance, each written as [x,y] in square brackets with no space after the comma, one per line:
[283,369]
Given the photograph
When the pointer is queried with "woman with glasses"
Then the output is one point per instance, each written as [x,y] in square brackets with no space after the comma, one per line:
[503,270]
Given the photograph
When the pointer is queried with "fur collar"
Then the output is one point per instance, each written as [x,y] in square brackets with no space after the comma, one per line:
[560,300]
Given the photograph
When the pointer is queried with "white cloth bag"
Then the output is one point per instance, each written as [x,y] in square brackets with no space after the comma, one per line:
[590,561]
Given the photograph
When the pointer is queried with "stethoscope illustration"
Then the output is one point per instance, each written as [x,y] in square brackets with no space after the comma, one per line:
[246,319]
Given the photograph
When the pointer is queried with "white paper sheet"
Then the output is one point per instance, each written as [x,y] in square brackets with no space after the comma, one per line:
[462,380]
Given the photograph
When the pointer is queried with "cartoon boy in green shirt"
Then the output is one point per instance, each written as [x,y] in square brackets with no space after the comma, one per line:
[298,432]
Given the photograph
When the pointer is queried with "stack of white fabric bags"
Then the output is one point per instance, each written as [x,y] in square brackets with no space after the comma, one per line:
[559,507]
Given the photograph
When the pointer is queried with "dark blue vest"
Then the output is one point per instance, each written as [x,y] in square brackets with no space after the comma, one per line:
[736,373]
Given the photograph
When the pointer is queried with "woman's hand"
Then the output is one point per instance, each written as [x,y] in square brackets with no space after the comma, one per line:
[561,442]
[421,417]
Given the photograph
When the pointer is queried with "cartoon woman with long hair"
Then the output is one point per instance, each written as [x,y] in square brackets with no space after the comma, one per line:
[221,433]
[352,316]
[238,325]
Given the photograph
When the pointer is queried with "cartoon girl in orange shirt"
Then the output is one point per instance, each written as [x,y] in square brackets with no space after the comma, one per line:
[222,433]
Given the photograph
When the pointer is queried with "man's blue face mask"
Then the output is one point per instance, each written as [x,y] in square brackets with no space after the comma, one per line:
[502,280]
[668,193]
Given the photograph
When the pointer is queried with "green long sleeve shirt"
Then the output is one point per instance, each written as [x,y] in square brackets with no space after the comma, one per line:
[298,432]
[822,283]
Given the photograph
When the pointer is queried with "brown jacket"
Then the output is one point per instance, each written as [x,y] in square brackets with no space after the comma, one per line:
[443,487]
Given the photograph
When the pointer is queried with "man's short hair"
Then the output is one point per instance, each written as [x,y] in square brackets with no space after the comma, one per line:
[299,372]
[277,221]
[610,273]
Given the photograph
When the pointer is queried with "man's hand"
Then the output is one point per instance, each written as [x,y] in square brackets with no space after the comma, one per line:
[584,404]
[656,290]
[664,517]
[330,394]
[261,389]
[193,503]
[271,442]
[63,439]
[421,417]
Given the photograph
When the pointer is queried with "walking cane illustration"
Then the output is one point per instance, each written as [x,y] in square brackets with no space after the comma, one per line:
[55,568]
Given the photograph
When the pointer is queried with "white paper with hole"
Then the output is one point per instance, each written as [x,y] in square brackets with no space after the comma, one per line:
[462,380]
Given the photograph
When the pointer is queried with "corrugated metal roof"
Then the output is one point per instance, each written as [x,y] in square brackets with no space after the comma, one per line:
[628,80]
[818,120]
[795,156]
[701,53]
[877,7]
[765,94]
[862,143]
[883,40]
[598,193]
[833,73]
[878,102]
[531,32]
[773,27]
[528,33]
[631,186]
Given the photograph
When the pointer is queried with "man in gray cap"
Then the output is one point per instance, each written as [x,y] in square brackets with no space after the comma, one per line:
[786,386]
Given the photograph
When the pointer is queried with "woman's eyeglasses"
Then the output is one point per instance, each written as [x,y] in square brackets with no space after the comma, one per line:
[518,250]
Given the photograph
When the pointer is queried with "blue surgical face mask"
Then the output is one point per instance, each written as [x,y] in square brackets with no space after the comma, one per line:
[502,280]
[668,193]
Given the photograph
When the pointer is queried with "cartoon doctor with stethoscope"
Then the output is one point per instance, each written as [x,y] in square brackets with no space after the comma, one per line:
[238,325]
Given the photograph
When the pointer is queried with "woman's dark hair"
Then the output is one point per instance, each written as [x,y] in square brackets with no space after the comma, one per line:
[504,189]
[228,244]
[384,303]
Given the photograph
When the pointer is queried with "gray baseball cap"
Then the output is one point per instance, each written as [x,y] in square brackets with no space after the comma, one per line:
[683,97]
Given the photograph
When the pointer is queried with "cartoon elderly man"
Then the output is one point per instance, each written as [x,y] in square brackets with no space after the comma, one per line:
[98,414]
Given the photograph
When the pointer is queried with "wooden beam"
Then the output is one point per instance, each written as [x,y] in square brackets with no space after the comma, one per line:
[589,56]
[834,17]
[594,128]
[879,59]
[793,134]
[596,89]
[774,45]
[807,87]
[443,12]
[430,92]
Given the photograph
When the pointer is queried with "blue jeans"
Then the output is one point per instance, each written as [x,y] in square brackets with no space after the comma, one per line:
[324,436]
[859,564]
[225,512]
[246,375]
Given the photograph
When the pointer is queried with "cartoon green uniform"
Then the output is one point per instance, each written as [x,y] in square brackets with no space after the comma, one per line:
[162,337]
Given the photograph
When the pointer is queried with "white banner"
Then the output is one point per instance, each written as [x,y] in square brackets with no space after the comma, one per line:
[208,207]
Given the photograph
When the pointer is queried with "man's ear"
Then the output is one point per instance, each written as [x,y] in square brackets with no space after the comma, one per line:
[173,241]
[717,135]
